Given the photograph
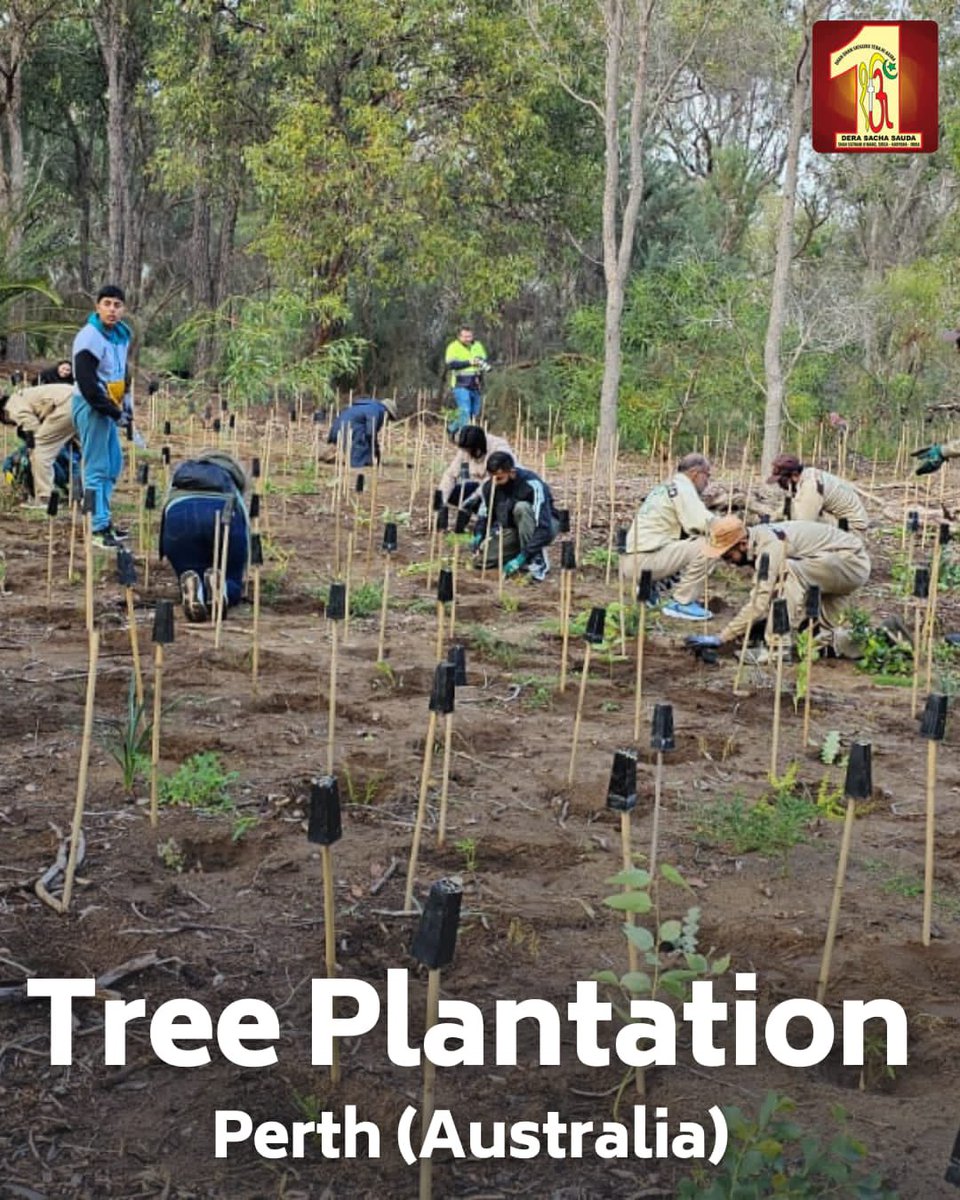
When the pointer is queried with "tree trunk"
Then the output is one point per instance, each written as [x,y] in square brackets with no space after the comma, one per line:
[618,246]
[773,365]
[16,338]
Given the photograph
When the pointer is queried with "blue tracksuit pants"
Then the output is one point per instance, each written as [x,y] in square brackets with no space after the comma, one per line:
[102,458]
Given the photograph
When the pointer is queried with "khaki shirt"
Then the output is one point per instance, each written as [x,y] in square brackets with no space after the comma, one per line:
[819,492]
[780,542]
[950,449]
[31,406]
[477,466]
[671,511]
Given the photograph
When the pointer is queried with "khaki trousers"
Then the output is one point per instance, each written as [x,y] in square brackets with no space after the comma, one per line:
[50,439]
[837,574]
[683,557]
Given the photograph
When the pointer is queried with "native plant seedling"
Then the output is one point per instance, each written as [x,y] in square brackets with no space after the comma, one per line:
[128,740]
[171,855]
[467,847]
[200,783]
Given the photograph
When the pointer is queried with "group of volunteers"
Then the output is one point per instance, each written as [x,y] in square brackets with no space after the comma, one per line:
[675,536]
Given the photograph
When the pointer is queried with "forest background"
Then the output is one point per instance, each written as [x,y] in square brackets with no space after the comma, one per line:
[619,195]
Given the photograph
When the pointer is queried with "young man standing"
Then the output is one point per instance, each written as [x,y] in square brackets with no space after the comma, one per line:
[101,374]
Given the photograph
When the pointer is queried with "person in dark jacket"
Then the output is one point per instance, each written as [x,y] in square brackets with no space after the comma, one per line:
[61,372]
[523,510]
[200,490]
[363,419]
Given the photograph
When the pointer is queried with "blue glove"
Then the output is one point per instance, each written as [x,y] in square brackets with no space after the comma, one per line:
[476,541]
[703,641]
[514,565]
[931,459]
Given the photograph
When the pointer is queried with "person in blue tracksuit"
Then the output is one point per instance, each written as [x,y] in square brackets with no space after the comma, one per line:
[363,419]
[200,489]
[101,377]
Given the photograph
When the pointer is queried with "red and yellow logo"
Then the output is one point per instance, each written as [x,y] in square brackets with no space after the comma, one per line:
[874,86]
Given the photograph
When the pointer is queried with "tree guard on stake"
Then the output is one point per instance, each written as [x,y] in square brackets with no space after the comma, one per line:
[568,564]
[781,627]
[336,612]
[441,694]
[324,829]
[446,709]
[812,613]
[444,596]
[933,726]
[593,637]
[162,636]
[921,590]
[388,547]
[857,786]
[622,799]
[661,740]
[127,578]
[53,504]
[256,562]
[89,507]
[434,945]
[644,596]
[149,506]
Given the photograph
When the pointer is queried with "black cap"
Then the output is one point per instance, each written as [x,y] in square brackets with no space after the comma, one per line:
[462,521]
[337,602]
[661,728]
[457,658]
[812,602]
[622,788]
[568,556]
[781,618]
[389,538]
[444,688]
[256,550]
[435,941]
[445,586]
[324,827]
[150,497]
[921,583]
[596,623]
[163,623]
[126,568]
[53,503]
[645,587]
[563,516]
[933,723]
[859,782]
[763,568]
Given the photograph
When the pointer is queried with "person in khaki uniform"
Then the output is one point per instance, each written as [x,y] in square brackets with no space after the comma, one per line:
[43,419]
[667,536]
[475,446]
[817,494]
[800,553]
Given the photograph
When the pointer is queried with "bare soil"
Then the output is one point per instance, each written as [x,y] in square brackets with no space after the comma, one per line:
[232,918]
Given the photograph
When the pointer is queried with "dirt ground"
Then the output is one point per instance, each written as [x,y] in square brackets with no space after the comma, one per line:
[220,917]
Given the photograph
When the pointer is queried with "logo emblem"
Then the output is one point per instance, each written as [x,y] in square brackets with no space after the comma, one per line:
[874,86]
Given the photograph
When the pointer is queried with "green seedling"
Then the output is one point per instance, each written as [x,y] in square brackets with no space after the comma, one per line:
[200,783]
[467,847]
[536,693]
[129,740]
[362,794]
[386,672]
[830,750]
[365,600]
[771,1155]
[171,855]
[242,826]
[770,826]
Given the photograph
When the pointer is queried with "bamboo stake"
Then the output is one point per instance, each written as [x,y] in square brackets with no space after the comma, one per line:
[88,562]
[383,610]
[330,943]
[824,977]
[638,686]
[657,798]
[332,698]
[932,728]
[221,573]
[421,811]
[134,645]
[428,1100]
[781,626]
[93,653]
[445,785]
[566,602]
[485,544]
[51,504]
[454,565]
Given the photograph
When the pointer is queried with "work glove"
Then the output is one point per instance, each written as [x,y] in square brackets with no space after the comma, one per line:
[476,541]
[514,565]
[26,436]
[931,459]
[704,646]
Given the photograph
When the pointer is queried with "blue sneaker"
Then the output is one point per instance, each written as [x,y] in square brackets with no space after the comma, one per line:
[687,612]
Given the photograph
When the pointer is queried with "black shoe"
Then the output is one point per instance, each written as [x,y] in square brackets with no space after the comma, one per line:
[122,534]
[106,539]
